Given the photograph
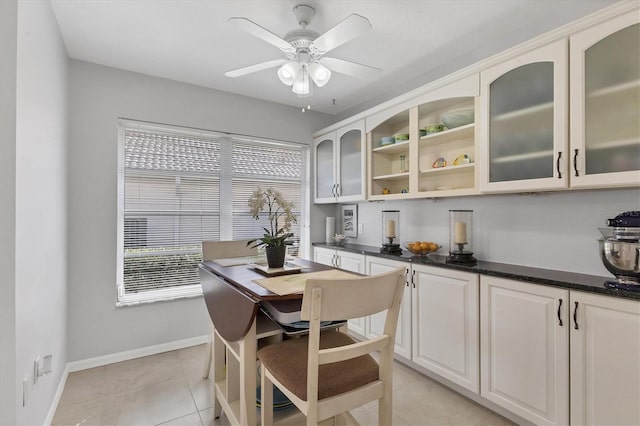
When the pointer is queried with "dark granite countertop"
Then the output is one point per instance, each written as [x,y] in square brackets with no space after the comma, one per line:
[548,277]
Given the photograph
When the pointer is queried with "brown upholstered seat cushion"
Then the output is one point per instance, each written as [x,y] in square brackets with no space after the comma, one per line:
[288,362]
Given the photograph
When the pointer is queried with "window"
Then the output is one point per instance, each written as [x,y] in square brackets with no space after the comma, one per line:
[178,187]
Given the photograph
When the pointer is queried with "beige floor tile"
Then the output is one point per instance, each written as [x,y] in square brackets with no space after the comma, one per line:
[155,404]
[208,420]
[85,385]
[202,390]
[495,420]
[81,413]
[190,420]
[192,359]
[140,372]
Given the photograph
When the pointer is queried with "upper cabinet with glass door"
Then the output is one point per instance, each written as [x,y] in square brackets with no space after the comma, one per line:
[605,104]
[340,165]
[523,123]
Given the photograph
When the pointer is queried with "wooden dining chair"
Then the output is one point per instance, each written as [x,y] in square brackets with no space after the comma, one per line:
[327,374]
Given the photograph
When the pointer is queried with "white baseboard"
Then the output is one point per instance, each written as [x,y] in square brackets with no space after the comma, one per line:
[135,353]
[56,398]
[117,357]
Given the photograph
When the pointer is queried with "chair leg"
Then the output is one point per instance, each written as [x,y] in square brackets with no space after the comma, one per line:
[385,410]
[207,360]
[266,409]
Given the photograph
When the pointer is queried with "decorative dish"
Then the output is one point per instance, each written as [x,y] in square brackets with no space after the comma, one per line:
[387,140]
[422,247]
[462,159]
[434,128]
[459,118]
[401,137]
[440,162]
[340,239]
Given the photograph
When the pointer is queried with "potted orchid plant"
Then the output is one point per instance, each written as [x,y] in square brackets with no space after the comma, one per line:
[281,217]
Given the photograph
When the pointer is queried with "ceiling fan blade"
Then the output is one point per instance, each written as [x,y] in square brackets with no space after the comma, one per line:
[256,67]
[351,68]
[263,33]
[348,29]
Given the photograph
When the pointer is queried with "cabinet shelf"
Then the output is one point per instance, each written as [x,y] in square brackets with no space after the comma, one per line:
[524,112]
[615,89]
[446,136]
[402,146]
[613,144]
[523,157]
[448,169]
[392,176]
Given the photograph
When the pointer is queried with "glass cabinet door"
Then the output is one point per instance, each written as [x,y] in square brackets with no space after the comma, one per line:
[350,161]
[606,107]
[524,118]
[325,185]
[521,124]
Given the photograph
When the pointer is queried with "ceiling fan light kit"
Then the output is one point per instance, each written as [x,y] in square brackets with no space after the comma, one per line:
[305,49]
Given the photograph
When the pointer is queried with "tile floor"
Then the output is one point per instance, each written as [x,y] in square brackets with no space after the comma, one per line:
[167,389]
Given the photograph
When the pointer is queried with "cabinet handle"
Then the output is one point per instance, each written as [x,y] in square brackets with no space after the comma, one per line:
[559,307]
[406,277]
[575,161]
[575,316]
[333,190]
[333,261]
[558,167]
[337,189]
[413,283]
[338,261]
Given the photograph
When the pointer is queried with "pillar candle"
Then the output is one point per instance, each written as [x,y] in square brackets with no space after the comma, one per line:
[391,229]
[460,235]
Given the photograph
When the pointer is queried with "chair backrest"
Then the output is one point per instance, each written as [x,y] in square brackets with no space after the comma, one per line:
[223,249]
[353,297]
[330,300]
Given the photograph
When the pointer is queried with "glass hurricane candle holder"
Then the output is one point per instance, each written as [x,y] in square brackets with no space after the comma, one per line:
[461,237]
[390,232]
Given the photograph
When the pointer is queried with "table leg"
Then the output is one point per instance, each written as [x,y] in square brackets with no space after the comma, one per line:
[248,371]
[218,355]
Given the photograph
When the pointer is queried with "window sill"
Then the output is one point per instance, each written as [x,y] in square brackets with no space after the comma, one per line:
[162,295]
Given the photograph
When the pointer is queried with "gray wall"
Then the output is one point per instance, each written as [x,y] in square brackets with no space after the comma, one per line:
[557,230]
[98,96]
[40,206]
[8,48]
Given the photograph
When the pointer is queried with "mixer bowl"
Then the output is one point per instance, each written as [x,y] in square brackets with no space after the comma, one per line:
[622,259]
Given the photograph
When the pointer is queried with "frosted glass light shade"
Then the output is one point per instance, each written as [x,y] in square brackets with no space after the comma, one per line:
[289,72]
[319,74]
[302,84]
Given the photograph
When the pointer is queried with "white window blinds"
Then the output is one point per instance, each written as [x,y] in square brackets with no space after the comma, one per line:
[178,187]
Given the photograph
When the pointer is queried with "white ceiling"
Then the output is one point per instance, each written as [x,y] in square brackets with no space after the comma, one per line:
[192,42]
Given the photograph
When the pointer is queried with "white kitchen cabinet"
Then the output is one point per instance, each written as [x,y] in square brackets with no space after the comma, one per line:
[375,323]
[348,261]
[605,103]
[605,360]
[404,169]
[340,165]
[445,311]
[523,122]
[524,353]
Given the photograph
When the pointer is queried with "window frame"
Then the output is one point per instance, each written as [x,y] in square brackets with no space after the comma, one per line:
[226,176]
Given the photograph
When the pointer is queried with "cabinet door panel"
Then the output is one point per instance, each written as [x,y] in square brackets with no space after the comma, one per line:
[523,118]
[446,319]
[351,161]
[324,256]
[605,103]
[524,350]
[325,179]
[375,323]
[605,361]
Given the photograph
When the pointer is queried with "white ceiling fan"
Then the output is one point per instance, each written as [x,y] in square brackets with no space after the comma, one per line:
[305,49]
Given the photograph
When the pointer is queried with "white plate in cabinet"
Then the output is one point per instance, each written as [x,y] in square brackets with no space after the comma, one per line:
[445,315]
[605,104]
[524,349]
